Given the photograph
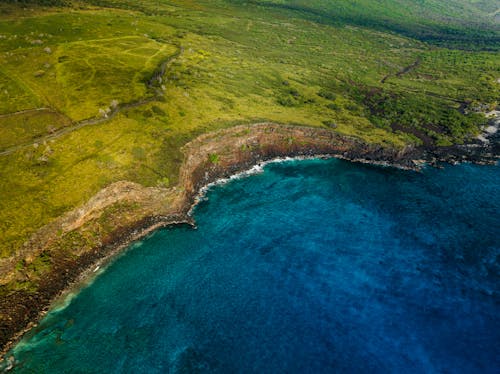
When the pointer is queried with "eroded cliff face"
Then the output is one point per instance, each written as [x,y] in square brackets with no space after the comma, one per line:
[223,153]
[62,252]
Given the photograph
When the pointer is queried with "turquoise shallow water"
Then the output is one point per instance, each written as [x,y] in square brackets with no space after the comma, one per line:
[312,266]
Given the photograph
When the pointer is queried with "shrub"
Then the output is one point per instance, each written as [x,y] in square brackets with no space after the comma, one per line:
[213,158]
[157,110]
[333,106]
[327,94]
[163,182]
[286,100]
[139,153]
[330,124]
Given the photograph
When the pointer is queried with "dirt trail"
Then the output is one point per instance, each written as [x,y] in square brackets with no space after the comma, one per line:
[403,71]
[26,111]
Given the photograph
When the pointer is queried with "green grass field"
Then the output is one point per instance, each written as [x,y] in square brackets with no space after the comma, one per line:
[285,61]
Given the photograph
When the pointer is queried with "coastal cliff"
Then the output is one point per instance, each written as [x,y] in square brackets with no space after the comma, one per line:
[82,239]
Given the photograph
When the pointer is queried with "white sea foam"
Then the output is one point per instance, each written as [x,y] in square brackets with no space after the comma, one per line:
[256,169]
[64,302]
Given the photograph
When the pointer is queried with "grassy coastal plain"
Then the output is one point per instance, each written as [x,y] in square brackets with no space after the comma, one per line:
[96,92]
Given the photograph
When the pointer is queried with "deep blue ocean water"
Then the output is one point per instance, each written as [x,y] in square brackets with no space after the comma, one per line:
[312,266]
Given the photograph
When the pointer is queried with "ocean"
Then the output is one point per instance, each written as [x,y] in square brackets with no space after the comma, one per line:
[310,266]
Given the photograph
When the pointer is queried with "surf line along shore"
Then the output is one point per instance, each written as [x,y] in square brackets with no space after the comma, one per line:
[88,236]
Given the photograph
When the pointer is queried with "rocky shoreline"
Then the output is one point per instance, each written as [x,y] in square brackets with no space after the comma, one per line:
[123,212]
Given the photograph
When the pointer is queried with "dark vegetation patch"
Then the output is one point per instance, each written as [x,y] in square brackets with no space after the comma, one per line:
[434,122]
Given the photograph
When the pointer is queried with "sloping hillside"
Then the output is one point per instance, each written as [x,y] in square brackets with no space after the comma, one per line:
[453,23]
